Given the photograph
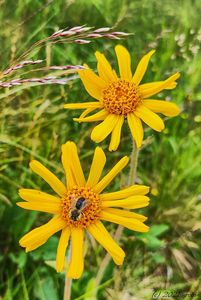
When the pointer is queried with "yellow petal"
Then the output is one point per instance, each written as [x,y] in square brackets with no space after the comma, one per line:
[136,129]
[100,233]
[142,67]
[132,202]
[129,223]
[156,89]
[61,249]
[86,112]
[97,166]
[82,105]
[77,254]
[42,233]
[125,193]
[126,214]
[99,116]
[101,131]
[66,159]
[52,208]
[111,174]
[48,176]
[166,108]
[124,62]
[116,134]
[38,196]
[149,117]
[93,84]
[149,85]
[35,245]
[104,68]
[75,165]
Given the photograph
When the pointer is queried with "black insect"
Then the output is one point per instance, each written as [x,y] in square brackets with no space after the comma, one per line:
[77,210]
[74,214]
[80,203]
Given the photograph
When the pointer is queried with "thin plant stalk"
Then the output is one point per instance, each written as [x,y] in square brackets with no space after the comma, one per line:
[68,282]
[67,288]
[133,164]
[119,230]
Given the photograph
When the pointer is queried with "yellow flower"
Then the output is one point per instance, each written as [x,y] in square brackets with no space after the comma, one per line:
[81,205]
[123,97]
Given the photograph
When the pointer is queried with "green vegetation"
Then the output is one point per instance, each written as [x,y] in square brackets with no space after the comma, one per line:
[33,124]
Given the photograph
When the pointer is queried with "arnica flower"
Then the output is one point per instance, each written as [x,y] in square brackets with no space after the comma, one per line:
[123,97]
[81,205]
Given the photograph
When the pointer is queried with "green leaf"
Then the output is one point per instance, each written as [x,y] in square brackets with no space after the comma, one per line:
[157,230]
[46,251]
[19,258]
[91,290]
[158,258]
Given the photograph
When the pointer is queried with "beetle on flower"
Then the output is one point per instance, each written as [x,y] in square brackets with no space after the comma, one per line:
[81,205]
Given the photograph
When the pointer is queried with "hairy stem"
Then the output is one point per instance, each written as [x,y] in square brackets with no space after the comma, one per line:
[68,282]
[133,164]
[67,288]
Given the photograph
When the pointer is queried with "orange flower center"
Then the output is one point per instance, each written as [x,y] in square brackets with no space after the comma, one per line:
[121,97]
[80,207]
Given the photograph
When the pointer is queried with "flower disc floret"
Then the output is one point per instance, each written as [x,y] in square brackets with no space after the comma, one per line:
[90,213]
[121,97]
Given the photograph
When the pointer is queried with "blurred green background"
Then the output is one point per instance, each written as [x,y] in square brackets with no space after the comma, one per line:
[33,124]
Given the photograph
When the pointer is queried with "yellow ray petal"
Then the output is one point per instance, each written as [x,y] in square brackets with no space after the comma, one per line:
[35,245]
[125,193]
[124,62]
[116,134]
[132,202]
[99,116]
[149,117]
[48,176]
[92,83]
[156,89]
[61,249]
[52,208]
[38,196]
[136,129]
[82,105]
[129,223]
[104,68]
[77,254]
[101,131]
[42,233]
[149,85]
[97,166]
[66,159]
[86,112]
[126,214]
[100,233]
[142,67]
[75,165]
[166,108]
[111,174]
